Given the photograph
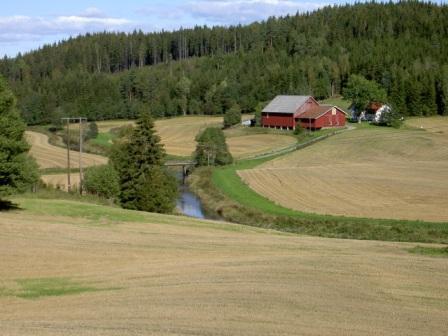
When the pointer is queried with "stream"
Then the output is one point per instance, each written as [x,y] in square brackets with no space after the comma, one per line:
[188,203]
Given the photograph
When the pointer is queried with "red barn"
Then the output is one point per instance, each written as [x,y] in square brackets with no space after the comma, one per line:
[288,111]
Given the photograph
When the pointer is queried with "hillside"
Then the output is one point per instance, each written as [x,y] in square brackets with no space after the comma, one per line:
[71,268]
[369,172]
[402,46]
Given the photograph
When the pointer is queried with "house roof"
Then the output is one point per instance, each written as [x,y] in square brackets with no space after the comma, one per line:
[285,104]
[318,111]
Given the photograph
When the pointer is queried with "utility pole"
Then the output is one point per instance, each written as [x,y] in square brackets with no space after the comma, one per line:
[69,186]
[80,120]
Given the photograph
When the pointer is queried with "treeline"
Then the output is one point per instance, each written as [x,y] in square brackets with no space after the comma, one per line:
[402,46]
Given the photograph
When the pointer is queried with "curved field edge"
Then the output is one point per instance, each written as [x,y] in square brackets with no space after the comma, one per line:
[225,194]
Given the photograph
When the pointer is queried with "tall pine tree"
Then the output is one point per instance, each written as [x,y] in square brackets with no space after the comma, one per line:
[17,170]
[139,159]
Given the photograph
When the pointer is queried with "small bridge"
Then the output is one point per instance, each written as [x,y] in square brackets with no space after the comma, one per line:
[184,164]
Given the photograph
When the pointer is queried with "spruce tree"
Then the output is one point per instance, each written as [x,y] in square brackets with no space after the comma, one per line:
[17,170]
[138,159]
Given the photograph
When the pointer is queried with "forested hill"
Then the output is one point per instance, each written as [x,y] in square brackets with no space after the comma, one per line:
[403,46]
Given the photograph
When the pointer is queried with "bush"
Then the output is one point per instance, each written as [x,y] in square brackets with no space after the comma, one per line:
[92,132]
[102,181]
[232,116]
[299,129]
[211,149]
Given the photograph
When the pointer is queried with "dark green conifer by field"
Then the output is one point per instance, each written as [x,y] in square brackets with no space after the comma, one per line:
[17,170]
[138,160]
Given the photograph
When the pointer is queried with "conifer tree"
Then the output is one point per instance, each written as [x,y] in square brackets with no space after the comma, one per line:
[138,159]
[17,170]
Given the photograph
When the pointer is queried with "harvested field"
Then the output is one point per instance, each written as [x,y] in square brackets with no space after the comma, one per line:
[179,134]
[76,269]
[49,156]
[369,172]
[437,125]
[60,180]
[250,145]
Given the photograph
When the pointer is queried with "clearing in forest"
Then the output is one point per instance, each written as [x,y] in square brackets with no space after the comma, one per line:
[371,172]
[70,268]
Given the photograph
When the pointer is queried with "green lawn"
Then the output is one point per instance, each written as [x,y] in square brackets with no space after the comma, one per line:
[430,251]
[337,101]
[104,139]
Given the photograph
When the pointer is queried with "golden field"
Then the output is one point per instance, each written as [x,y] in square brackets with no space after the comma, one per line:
[178,135]
[370,172]
[49,156]
[75,269]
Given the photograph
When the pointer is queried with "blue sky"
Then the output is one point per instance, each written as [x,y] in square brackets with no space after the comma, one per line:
[27,24]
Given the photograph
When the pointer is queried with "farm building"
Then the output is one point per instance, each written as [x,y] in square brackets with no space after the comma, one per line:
[375,112]
[287,111]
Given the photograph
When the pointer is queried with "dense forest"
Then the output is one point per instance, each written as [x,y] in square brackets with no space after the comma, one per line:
[402,46]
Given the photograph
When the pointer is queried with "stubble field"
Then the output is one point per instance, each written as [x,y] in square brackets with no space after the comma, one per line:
[76,269]
[49,156]
[368,172]
[178,136]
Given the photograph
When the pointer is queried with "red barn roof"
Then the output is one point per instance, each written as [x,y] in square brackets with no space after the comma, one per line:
[318,111]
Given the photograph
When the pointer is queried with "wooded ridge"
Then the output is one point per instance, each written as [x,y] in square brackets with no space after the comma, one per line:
[402,46]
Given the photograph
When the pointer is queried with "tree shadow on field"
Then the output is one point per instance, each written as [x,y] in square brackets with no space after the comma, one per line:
[6,205]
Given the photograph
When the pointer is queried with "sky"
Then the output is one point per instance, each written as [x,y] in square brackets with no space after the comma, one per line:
[28,24]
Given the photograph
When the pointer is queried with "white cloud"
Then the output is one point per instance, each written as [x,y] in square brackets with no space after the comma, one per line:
[227,11]
[21,27]
[244,11]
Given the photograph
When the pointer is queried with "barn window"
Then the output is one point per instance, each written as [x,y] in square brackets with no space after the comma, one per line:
[333,111]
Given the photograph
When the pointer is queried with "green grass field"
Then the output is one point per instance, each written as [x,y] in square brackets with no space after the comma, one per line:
[337,101]
[104,139]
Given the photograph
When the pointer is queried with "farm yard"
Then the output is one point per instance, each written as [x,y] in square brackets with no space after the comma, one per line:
[74,268]
[368,172]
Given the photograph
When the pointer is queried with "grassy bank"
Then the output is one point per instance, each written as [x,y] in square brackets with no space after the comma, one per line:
[224,194]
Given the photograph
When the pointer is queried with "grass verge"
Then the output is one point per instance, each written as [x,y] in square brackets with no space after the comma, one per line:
[430,251]
[224,194]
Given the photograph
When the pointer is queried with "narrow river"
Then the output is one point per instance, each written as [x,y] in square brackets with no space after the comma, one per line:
[188,203]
